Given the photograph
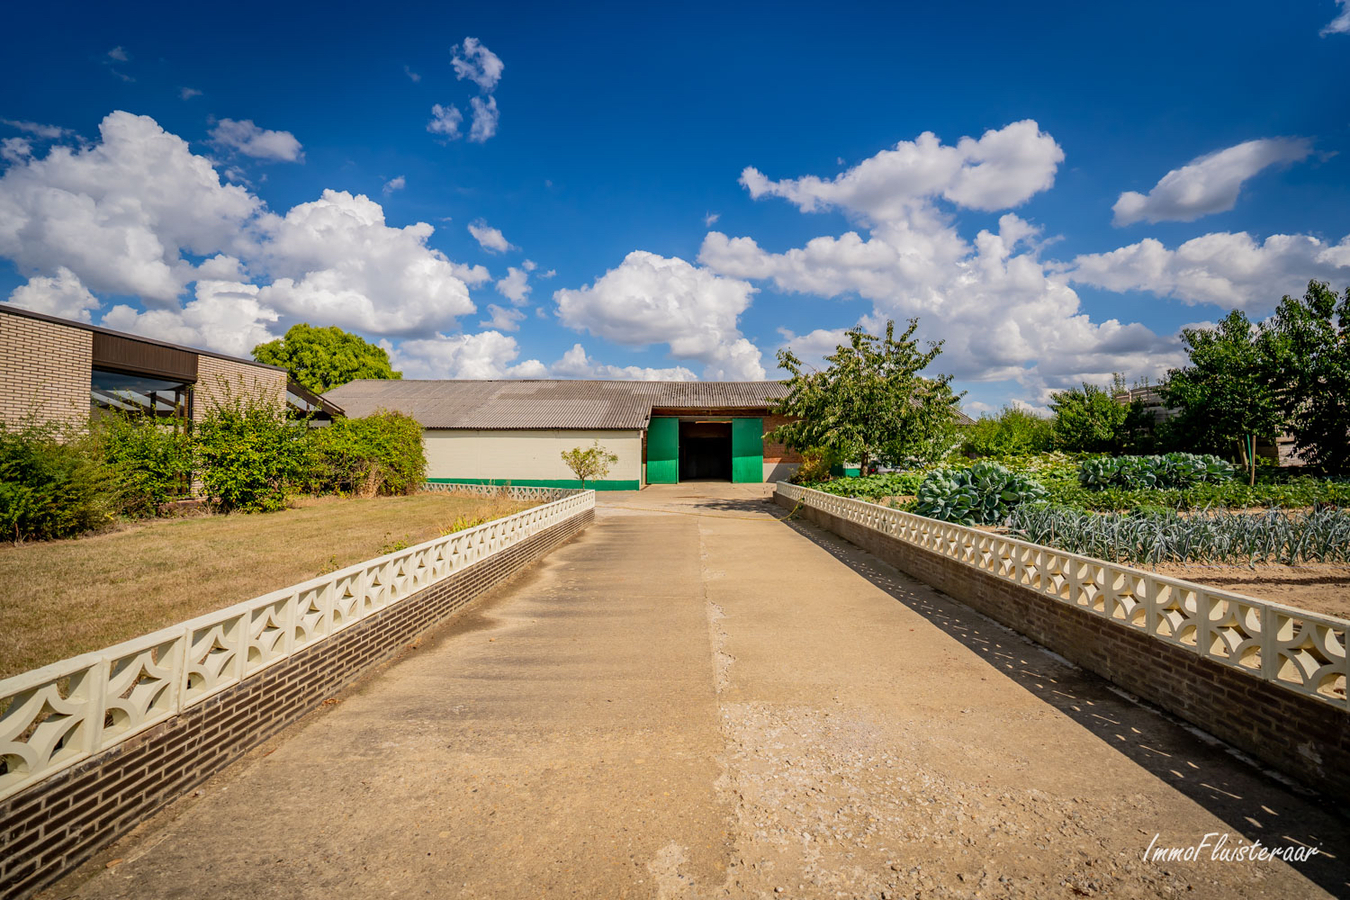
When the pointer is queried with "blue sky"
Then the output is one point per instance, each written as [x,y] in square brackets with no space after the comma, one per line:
[678,192]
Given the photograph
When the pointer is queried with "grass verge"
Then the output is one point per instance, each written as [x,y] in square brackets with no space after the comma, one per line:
[63,598]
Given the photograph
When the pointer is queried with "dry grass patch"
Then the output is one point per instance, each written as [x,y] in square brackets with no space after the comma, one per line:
[63,598]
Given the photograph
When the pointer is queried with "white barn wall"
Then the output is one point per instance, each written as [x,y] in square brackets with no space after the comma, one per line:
[525,455]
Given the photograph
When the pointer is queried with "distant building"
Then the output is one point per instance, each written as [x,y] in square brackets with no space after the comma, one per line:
[59,371]
[664,432]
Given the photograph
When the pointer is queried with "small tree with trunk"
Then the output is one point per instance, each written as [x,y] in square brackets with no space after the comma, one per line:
[589,463]
[871,403]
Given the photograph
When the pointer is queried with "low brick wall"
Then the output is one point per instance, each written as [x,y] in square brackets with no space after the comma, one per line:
[52,827]
[1306,739]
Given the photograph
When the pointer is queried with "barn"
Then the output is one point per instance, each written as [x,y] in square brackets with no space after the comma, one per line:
[663,432]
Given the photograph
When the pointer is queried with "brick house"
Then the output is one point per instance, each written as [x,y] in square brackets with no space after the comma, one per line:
[57,371]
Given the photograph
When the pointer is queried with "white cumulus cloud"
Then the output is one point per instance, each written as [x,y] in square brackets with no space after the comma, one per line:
[62,295]
[575,363]
[651,299]
[224,316]
[489,238]
[121,213]
[336,260]
[38,129]
[1001,169]
[485,118]
[1208,184]
[488,354]
[395,184]
[260,143]
[503,318]
[445,121]
[515,286]
[1340,24]
[1229,269]
[477,63]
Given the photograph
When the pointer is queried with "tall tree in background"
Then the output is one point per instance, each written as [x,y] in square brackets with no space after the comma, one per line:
[1309,353]
[323,358]
[1225,396]
[871,403]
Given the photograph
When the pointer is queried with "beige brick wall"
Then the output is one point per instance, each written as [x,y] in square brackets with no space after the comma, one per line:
[44,371]
[217,379]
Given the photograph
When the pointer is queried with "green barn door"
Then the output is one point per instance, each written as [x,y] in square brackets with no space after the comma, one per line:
[663,452]
[747,450]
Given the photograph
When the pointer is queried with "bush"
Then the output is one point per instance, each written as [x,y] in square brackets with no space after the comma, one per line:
[149,462]
[377,454]
[983,494]
[1089,420]
[1173,471]
[249,454]
[815,467]
[1212,536]
[1013,432]
[49,488]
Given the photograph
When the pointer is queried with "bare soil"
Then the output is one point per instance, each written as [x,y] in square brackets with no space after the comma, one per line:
[1320,587]
[63,598]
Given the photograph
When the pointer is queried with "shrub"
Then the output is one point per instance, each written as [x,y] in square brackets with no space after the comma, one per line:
[1213,536]
[983,494]
[1013,432]
[815,467]
[248,454]
[49,488]
[149,462]
[377,454]
[1089,420]
[1173,471]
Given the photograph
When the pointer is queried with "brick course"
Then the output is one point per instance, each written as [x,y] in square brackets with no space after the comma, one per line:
[1306,739]
[54,826]
[217,379]
[44,372]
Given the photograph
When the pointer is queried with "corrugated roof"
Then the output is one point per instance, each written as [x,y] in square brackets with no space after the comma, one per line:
[620,405]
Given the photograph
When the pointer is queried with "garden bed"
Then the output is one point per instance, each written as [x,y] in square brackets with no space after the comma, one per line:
[63,598]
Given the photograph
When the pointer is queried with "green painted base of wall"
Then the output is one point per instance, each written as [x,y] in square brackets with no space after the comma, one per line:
[614,485]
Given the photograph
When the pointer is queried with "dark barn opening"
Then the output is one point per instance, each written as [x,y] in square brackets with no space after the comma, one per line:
[705,451]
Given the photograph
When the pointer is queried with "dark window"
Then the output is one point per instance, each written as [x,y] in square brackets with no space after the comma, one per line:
[139,394]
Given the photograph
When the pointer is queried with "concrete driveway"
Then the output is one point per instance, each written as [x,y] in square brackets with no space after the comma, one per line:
[696,699]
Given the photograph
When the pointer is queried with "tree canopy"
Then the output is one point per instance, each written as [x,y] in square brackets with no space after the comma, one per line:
[1226,397]
[1308,351]
[323,358]
[871,403]
[1088,419]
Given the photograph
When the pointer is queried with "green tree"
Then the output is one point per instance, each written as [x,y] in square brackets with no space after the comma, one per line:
[589,463]
[323,358]
[870,404]
[1308,354]
[1225,397]
[1089,420]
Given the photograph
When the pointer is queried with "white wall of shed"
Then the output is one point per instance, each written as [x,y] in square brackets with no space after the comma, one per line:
[506,454]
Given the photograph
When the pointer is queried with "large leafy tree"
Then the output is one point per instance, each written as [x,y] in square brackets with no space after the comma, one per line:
[1309,359]
[871,403]
[1224,397]
[323,358]
[1089,419]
